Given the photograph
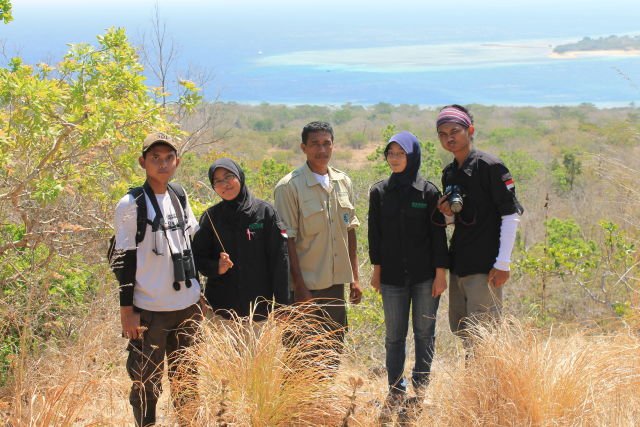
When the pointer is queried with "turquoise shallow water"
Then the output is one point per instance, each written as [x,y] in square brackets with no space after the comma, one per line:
[334,52]
[519,72]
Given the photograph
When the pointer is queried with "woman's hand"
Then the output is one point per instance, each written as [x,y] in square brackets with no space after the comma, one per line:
[224,263]
[439,283]
[375,278]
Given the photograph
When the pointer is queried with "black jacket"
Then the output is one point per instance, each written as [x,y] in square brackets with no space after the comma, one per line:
[258,249]
[406,232]
[489,194]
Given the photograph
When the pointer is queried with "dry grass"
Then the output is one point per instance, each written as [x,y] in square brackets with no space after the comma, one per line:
[521,377]
[74,381]
[279,372]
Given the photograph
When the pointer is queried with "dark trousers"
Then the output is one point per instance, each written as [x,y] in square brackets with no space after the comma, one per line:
[325,315]
[168,333]
[332,308]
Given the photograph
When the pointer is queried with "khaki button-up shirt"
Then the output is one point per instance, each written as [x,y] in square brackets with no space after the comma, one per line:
[319,219]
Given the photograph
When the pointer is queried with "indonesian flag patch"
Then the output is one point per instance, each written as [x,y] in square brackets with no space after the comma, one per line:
[508,181]
[283,229]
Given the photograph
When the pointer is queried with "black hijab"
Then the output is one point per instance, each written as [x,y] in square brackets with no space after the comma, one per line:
[410,144]
[244,202]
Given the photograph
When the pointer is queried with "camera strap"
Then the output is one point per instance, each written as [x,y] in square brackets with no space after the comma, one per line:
[154,202]
[159,223]
[159,219]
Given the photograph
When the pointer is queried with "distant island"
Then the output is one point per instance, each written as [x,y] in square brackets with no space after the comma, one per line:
[612,43]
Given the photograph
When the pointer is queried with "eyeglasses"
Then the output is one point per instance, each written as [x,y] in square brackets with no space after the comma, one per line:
[226,180]
[396,154]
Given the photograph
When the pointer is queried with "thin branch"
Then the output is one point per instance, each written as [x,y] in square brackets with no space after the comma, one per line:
[591,294]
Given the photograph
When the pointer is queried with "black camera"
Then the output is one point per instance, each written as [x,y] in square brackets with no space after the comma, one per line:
[183,269]
[455,196]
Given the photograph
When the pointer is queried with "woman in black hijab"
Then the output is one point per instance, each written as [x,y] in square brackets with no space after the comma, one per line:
[241,248]
[408,250]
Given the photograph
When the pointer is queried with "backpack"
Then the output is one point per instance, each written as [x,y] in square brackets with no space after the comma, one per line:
[141,215]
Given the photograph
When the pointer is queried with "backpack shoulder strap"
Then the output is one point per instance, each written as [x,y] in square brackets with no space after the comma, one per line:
[179,191]
[179,201]
[141,212]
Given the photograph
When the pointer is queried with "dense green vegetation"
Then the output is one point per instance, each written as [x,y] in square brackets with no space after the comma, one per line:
[602,43]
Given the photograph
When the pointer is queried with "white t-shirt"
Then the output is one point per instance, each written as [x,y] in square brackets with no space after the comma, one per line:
[322,179]
[154,273]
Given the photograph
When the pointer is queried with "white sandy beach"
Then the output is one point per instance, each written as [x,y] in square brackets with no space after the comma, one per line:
[595,54]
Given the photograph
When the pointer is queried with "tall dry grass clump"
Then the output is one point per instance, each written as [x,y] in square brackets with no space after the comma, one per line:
[79,379]
[278,372]
[518,376]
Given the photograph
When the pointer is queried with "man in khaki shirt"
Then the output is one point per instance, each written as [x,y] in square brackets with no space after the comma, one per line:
[316,204]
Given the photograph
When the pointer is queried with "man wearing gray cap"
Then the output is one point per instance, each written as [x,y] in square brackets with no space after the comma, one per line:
[159,290]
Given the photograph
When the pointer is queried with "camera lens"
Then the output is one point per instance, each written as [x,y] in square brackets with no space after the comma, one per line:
[455,198]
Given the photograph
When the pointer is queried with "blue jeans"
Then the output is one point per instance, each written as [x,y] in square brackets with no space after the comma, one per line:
[396,301]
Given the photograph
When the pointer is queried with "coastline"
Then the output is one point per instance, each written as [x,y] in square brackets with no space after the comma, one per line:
[600,105]
[614,53]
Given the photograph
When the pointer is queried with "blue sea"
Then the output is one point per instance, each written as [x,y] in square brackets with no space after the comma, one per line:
[335,52]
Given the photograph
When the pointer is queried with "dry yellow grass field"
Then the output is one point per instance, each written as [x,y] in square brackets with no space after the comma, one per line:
[518,376]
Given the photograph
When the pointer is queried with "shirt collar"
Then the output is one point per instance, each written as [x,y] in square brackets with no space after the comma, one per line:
[417,183]
[334,175]
[467,165]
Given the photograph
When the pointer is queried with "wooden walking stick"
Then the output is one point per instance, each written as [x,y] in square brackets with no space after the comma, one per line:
[213,227]
[216,232]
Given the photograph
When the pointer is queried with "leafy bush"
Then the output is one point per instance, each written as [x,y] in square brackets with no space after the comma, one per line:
[71,136]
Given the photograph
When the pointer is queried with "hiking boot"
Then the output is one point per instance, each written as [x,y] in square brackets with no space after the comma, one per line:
[392,403]
[410,410]
[421,393]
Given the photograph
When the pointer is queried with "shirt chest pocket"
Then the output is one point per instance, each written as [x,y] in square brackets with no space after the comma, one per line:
[313,216]
[345,208]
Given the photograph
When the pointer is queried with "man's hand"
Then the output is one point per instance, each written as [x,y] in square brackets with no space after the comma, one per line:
[130,321]
[497,278]
[355,293]
[302,294]
[439,283]
[224,263]
[444,207]
[205,308]
[375,278]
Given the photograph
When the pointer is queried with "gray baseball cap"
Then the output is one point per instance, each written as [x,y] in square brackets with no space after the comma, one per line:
[158,138]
